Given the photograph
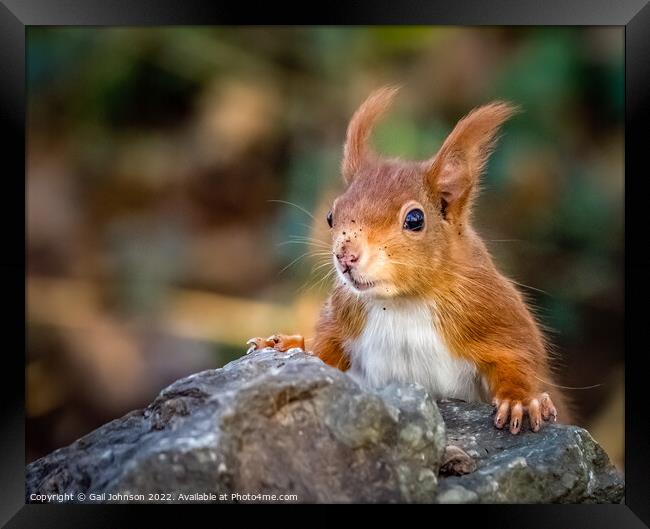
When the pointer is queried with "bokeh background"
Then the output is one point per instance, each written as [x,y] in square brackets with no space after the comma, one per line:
[162,161]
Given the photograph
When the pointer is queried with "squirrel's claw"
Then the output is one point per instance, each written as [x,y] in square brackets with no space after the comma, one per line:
[255,343]
[548,408]
[512,412]
[279,342]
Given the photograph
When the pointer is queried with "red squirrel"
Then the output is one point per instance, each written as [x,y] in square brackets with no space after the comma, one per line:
[417,296]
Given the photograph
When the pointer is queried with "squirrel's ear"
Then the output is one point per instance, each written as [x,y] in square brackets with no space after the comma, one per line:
[454,172]
[356,149]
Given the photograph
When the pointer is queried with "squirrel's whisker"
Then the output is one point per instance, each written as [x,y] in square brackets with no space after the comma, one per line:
[294,205]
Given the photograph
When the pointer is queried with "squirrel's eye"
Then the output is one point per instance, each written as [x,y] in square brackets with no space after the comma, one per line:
[329,218]
[414,220]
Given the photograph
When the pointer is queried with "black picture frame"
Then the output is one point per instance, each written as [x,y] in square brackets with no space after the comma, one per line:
[633,15]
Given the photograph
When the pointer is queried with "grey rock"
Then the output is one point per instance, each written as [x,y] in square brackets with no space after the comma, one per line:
[285,423]
[267,423]
[456,462]
[559,464]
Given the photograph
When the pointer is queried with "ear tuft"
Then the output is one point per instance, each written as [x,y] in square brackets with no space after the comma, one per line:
[455,170]
[356,148]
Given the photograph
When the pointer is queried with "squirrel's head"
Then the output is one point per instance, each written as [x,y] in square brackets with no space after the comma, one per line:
[397,221]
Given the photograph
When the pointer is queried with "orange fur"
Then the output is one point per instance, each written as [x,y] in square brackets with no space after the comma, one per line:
[356,144]
[483,317]
[341,320]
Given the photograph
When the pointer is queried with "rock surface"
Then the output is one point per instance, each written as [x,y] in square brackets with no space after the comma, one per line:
[559,464]
[285,423]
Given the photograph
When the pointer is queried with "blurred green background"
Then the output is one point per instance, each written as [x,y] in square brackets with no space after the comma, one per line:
[157,157]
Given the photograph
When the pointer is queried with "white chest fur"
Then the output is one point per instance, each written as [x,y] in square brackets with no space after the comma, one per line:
[401,343]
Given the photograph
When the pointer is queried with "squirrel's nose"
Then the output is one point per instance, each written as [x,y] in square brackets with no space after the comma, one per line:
[347,260]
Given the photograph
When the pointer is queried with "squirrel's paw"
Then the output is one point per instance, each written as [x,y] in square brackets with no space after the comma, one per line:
[279,342]
[256,343]
[537,408]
